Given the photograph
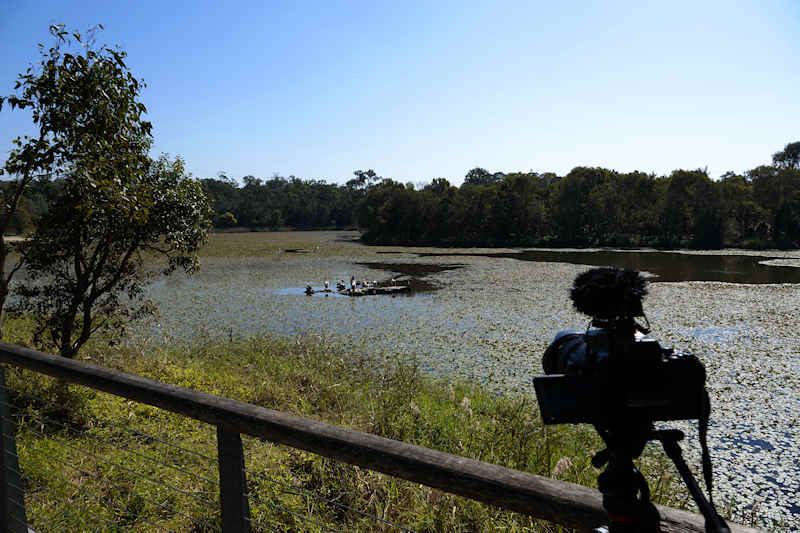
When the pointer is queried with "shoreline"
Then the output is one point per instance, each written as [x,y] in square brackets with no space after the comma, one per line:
[493,318]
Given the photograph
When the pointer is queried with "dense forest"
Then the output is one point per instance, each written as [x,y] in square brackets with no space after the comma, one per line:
[587,207]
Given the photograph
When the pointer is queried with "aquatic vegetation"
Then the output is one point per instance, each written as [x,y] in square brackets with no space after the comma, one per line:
[491,319]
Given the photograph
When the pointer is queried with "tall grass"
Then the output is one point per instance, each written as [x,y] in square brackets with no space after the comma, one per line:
[92,458]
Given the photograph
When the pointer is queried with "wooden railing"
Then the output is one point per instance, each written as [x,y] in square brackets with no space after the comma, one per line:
[564,503]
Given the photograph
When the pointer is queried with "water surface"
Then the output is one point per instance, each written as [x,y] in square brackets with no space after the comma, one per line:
[666,266]
[487,318]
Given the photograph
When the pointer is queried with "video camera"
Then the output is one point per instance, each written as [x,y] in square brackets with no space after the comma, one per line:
[613,377]
[606,373]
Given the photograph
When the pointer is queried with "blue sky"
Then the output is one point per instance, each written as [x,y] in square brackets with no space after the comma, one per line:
[419,90]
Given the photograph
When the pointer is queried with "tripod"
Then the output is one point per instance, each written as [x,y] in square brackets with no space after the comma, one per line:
[626,496]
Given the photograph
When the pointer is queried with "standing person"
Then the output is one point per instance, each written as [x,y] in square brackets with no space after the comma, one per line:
[352,284]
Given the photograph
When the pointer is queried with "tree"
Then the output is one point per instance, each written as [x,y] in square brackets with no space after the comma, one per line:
[224,195]
[789,157]
[576,210]
[692,212]
[787,223]
[84,102]
[363,179]
[438,186]
[481,176]
[227,220]
[86,258]
[774,190]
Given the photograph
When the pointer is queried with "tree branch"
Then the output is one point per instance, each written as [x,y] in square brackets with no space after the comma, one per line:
[134,246]
[14,270]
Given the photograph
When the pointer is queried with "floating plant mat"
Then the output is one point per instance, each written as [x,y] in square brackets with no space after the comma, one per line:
[491,318]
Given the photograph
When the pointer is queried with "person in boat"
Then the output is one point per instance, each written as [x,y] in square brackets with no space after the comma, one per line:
[341,286]
[352,283]
[309,290]
[327,285]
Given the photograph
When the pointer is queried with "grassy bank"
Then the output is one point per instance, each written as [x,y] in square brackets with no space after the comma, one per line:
[90,458]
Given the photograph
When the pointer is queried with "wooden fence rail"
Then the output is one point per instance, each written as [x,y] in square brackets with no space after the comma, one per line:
[564,503]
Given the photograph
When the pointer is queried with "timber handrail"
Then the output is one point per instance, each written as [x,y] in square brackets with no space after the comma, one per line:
[556,501]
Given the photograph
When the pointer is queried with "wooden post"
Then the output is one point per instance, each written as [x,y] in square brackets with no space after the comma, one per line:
[12,497]
[232,482]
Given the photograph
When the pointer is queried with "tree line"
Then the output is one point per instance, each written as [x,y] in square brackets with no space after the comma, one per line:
[587,207]
[593,207]
[280,202]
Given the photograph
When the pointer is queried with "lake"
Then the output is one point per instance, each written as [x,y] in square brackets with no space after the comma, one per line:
[487,316]
[668,266]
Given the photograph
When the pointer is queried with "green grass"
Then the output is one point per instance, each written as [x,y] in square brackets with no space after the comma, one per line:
[92,458]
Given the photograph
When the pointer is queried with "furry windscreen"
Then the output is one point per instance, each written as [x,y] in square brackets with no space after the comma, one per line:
[609,293]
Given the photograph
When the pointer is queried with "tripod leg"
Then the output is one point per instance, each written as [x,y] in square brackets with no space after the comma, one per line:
[714,522]
[626,496]
[626,499]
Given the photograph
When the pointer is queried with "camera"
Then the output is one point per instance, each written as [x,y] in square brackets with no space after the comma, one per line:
[615,378]
[610,373]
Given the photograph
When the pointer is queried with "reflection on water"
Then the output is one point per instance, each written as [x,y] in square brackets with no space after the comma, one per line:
[717,334]
[300,291]
[667,266]
[413,274]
